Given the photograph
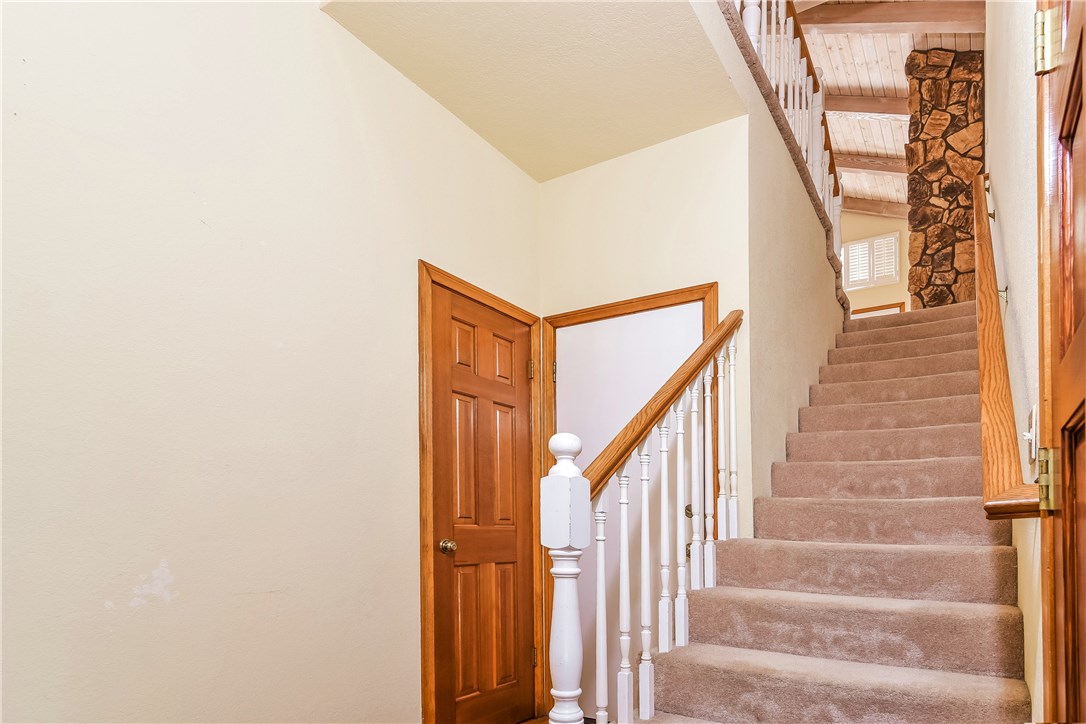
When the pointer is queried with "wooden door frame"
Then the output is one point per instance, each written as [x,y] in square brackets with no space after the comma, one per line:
[1051,100]
[429,277]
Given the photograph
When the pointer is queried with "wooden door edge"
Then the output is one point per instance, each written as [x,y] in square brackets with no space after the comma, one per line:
[430,276]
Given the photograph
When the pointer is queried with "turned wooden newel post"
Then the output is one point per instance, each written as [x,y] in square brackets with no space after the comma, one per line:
[565,521]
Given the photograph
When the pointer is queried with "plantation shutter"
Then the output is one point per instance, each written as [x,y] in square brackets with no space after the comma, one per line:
[885,259]
[859,264]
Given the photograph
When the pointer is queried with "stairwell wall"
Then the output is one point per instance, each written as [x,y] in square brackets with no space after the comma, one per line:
[1012,162]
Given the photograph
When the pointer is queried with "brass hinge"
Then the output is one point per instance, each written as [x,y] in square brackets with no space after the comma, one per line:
[554,372]
[531,369]
[535,656]
[1047,39]
[1048,478]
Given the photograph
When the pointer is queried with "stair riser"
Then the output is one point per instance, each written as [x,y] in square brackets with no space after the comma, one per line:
[930,521]
[914,388]
[989,644]
[897,369]
[754,694]
[910,444]
[890,415]
[969,575]
[939,477]
[908,332]
[903,350]
[917,316]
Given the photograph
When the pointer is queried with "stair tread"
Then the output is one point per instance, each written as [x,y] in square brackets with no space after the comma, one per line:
[849,674]
[913,316]
[962,360]
[904,349]
[872,603]
[910,332]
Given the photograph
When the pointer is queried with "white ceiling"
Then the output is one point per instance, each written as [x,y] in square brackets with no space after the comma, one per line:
[555,86]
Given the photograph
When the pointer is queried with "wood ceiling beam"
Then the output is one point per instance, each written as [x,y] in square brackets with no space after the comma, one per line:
[802,5]
[966,16]
[873,207]
[870,164]
[868,104]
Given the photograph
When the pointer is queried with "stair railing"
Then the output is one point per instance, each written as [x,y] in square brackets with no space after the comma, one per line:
[689,398]
[778,45]
[1006,495]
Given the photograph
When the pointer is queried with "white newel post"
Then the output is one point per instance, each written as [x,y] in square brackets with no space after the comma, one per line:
[646,671]
[698,521]
[665,614]
[565,522]
[682,609]
[707,475]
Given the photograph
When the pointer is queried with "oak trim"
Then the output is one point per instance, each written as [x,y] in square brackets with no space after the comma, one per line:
[900,306]
[875,105]
[430,276]
[1005,494]
[607,463]
[871,164]
[874,207]
[704,293]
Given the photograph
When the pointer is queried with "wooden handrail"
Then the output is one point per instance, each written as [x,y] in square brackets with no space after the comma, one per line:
[620,449]
[1005,494]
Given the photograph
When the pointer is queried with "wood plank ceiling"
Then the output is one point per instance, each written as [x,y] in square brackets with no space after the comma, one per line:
[863,74]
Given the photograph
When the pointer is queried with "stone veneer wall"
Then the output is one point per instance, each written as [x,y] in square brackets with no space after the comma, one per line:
[944,154]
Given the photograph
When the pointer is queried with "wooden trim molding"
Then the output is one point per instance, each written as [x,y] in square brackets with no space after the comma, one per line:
[899,306]
[874,207]
[872,105]
[872,164]
[430,276]
[1005,493]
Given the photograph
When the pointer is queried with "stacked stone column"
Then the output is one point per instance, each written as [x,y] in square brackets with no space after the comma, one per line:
[944,155]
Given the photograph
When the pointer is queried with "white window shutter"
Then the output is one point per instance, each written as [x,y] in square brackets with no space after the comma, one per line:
[859,264]
[886,259]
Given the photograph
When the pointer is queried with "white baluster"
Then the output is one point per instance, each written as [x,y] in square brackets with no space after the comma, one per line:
[709,559]
[601,610]
[564,524]
[751,18]
[733,463]
[796,59]
[724,521]
[782,51]
[836,217]
[808,125]
[682,609]
[625,671]
[665,613]
[697,524]
[646,673]
[763,46]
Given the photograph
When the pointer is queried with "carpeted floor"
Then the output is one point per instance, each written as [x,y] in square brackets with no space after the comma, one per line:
[874,590]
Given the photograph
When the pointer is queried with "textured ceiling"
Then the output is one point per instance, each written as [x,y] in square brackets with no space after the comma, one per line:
[555,86]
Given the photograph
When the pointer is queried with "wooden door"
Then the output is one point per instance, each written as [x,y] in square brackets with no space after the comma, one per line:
[483,637]
[1063,370]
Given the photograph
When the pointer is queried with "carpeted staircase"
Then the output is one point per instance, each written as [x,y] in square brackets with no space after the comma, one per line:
[875,590]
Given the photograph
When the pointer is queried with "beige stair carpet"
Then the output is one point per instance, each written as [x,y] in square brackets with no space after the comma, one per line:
[874,589]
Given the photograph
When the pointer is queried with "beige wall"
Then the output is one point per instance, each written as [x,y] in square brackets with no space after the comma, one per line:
[864,226]
[1011,121]
[212,216]
[666,217]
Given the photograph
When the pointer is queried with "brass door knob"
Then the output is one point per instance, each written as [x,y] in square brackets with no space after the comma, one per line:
[447,546]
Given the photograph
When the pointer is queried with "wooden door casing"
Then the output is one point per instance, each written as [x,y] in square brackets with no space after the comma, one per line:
[1062,289]
[481,613]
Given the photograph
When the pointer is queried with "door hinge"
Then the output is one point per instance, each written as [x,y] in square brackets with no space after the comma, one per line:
[1047,39]
[554,372]
[531,369]
[1048,478]
[535,656]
